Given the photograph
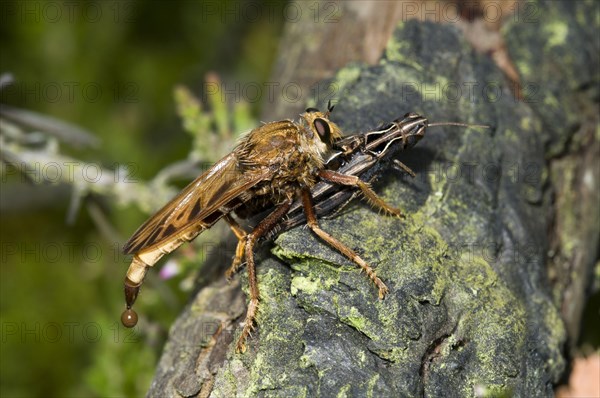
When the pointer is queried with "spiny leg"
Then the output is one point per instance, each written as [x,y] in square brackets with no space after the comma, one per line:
[354,181]
[241,235]
[267,224]
[311,220]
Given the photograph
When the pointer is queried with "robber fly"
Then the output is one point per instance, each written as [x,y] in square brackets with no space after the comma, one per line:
[362,155]
[273,164]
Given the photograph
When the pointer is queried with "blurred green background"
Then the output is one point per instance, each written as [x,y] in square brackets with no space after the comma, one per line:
[111,68]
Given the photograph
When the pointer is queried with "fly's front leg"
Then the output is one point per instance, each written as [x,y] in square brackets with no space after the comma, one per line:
[311,220]
[354,181]
[241,235]
[267,224]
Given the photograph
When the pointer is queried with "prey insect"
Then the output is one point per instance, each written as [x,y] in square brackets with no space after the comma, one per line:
[364,156]
[272,165]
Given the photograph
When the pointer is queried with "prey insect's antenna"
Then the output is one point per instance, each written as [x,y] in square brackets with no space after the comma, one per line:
[411,129]
[480,126]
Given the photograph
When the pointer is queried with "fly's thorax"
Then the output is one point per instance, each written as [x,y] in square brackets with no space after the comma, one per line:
[267,145]
[290,152]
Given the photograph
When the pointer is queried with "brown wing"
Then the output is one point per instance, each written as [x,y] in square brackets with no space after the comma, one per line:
[197,207]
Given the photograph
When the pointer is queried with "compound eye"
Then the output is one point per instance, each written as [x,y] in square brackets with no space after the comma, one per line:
[323,129]
[311,110]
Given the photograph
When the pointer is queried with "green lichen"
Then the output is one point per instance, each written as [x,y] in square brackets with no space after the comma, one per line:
[524,67]
[551,102]
[499,316]
[569,221]
[395,49]
[498,324]
[556,333]
[525,124]
[344,391]
[557,32]
[493,391]
[346,76]
[312,274]
[354,318]
[431,91]
[228,382]
[371,385]
[308,285]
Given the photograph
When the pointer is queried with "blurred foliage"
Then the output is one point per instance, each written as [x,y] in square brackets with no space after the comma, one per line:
[111,68]
[227,123]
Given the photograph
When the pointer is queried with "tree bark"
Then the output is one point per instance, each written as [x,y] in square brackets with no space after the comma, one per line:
[477,305]
[322,37]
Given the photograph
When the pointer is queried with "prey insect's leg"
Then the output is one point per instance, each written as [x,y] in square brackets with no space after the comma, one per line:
[261,229]
[239,250]
[354,181]
[404,167]
[311,220]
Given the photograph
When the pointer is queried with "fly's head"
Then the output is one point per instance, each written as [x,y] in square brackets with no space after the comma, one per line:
[321,132]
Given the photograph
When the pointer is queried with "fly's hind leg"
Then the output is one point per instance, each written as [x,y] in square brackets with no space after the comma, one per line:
[311,220]
[372,197]
[241,235]
[266,225]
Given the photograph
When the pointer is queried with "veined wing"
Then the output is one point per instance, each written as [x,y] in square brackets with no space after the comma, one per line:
[197,207]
